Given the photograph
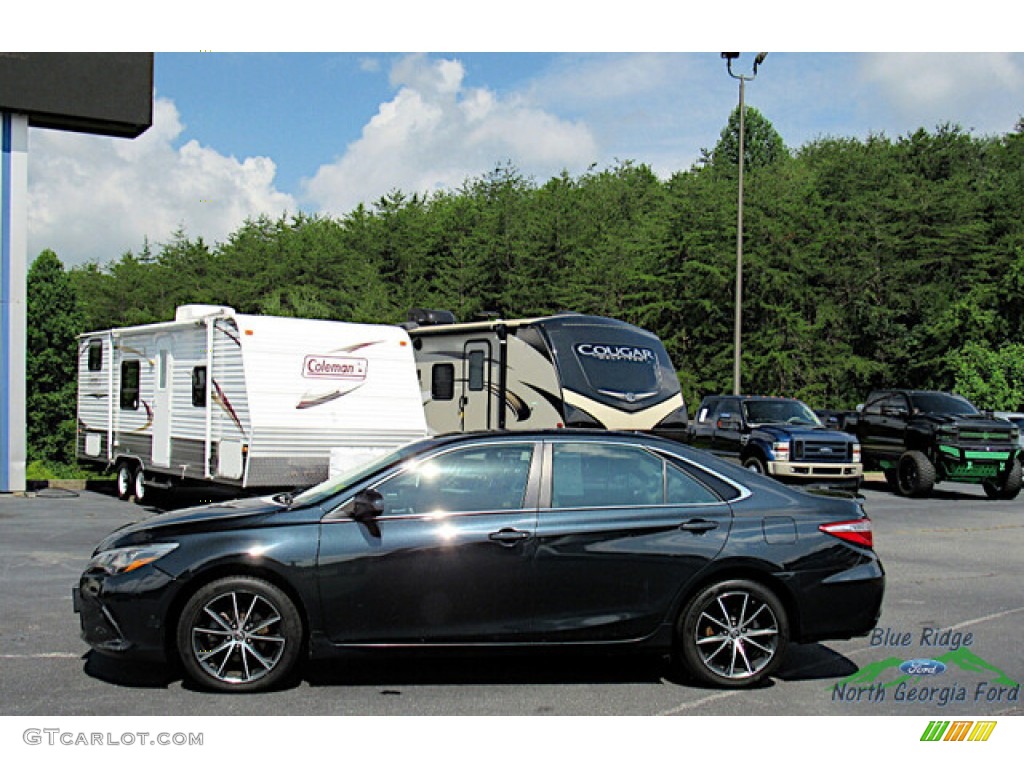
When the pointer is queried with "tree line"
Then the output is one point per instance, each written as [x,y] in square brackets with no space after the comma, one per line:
[867,263]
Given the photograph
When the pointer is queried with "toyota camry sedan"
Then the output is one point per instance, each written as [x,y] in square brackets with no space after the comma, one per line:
[502,541]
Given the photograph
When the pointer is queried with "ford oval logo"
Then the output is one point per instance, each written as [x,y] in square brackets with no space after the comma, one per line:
[922,667]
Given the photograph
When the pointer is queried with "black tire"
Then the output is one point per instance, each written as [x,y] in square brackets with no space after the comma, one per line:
[139,490]
[1006,487]
[732,634]
[125,478]
[239,634]
[756,465]
[915,475]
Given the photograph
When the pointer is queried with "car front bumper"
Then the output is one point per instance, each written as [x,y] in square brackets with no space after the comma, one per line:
[816,471]
[123,615]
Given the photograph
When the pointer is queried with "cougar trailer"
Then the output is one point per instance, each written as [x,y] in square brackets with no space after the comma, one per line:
[243,400]
[566,370]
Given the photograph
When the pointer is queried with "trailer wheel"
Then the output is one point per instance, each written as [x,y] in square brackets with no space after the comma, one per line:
[125,480]
[139,489]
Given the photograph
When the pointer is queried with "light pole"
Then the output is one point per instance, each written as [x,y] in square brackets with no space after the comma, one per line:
[738,324]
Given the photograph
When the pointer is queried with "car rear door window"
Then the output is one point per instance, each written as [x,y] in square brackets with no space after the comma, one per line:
[593,475]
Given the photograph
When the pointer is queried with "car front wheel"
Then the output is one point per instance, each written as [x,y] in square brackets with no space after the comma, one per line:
[239,634]
[733,634]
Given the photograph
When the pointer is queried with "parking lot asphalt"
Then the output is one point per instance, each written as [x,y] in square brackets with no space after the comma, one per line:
[954,573]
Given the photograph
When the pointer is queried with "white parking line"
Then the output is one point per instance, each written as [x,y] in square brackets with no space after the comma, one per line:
[56,655]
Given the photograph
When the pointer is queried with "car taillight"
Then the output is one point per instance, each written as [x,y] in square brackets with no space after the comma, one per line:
[853,531]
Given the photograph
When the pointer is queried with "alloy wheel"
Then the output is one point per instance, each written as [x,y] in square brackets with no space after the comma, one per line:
[734,634]
[239,637]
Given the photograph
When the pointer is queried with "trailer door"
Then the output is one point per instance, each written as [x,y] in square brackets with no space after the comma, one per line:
[476,386]
[161,451]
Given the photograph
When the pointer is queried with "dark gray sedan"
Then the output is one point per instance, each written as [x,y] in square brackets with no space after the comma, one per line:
[499,541]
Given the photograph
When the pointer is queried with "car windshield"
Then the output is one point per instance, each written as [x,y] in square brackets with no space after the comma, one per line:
[940,402]
[337,484]
[779,412]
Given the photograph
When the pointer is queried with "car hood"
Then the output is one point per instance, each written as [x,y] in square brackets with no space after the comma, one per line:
[805,432]
[975,421]
[208,517]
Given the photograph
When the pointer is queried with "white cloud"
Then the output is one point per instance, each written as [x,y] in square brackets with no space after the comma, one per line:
[93,198]
[934,88]
[436,132]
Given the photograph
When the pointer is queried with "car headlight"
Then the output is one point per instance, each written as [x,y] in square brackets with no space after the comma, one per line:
[127,559]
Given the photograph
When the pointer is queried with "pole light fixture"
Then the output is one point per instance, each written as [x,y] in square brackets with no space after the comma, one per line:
[738,323]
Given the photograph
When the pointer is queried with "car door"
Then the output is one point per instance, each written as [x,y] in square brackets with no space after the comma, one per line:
[728,421]
[889,418]
[621,529]
[447,561]
[701,429]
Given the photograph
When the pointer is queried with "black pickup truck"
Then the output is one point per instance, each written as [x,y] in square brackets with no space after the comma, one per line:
[920,437]
[777,436]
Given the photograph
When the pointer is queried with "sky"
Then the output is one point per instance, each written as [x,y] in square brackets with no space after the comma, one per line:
[238,134]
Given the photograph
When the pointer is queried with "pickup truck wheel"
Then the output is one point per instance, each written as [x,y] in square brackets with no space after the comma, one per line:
[1006,487]
[916,474]
[755,465]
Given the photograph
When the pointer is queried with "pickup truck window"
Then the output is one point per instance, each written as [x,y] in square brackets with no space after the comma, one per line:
[780,412]
[940,402]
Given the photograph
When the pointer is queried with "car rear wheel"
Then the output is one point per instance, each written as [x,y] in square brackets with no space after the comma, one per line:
[915,474]
[733,634]
[239,634]
[1006,487]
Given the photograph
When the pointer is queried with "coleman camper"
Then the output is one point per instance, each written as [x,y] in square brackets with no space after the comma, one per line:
[243,400]
[567,370]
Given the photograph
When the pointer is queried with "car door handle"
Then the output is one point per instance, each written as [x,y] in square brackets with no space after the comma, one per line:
[509,536]
[699,526]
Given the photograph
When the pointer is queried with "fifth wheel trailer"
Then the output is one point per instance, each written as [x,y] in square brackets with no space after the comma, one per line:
[246,401]
[566,370]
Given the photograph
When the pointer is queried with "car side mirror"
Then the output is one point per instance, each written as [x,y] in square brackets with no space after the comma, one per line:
[367,505]
[730,422]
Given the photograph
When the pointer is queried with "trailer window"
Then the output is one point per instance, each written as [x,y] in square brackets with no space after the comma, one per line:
[130,385]
[442,381]
[199,386]
[95,355]
[476,370]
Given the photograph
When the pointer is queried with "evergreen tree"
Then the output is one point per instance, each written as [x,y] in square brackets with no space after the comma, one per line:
[53,323]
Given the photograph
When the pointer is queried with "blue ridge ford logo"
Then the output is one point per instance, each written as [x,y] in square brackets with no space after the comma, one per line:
[922,667]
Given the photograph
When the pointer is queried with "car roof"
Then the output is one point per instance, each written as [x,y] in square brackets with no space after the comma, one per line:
[780,398]
[595,435]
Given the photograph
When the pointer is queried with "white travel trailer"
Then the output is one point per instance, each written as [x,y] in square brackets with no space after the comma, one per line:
[566,370]
[243,400]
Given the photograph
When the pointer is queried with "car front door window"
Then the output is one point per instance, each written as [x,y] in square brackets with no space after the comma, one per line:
[471,480]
